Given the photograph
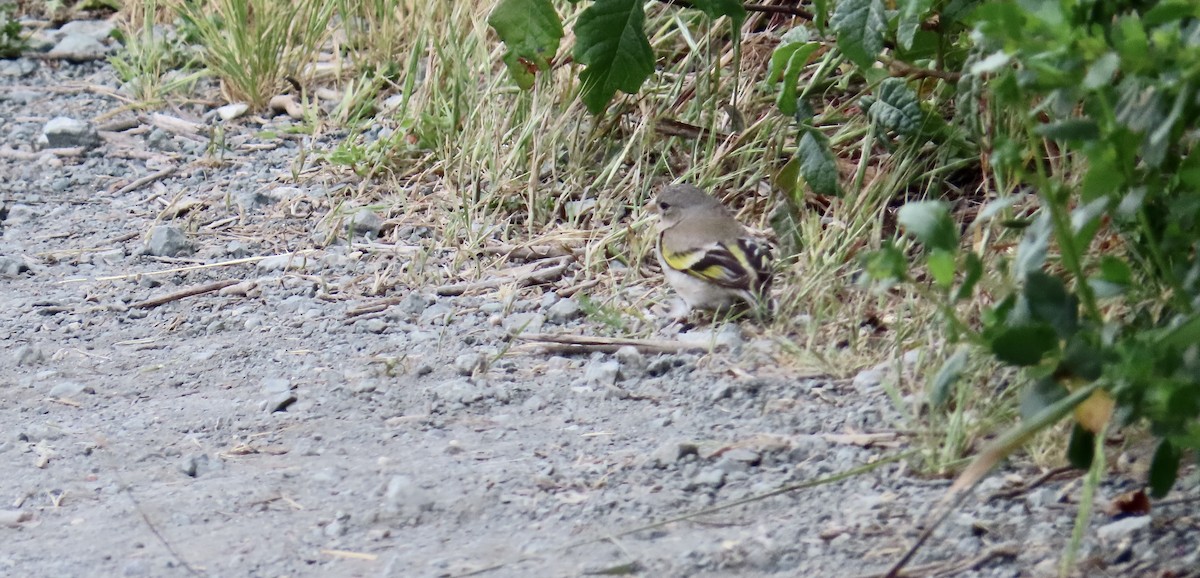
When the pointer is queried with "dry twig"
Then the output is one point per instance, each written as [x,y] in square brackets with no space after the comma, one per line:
[185,293]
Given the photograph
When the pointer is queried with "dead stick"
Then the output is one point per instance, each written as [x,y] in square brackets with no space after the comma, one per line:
[185,293]
[540,276]
[150,178]
[583,343]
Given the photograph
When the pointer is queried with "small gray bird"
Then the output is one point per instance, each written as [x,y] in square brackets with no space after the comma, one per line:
[710,259]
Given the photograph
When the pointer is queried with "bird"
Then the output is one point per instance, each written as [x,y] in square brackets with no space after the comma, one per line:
[709,258]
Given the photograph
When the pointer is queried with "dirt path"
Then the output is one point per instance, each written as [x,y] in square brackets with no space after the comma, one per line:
[266,430]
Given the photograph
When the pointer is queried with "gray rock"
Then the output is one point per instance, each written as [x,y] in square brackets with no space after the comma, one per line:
[461,391]
[468,364]
[78,48]
[632,361]
[279,394]
[405,498]
[744,455]
[61,132]
[68,389]
[602,372]
[867,380]
[1115,531]
[96,29]
[168,241]
[708,478]
[12,267]
[374,325]
[524,323]
[282,262]
[30,355]
[365,222]
[672,452]
[17,68]
[414,304]
[437,314]
[252,199]
[726,335]
[232,111]
[20,213]
[192,465]
[563,311]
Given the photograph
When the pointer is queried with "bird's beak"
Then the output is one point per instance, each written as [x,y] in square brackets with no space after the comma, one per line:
[650,207]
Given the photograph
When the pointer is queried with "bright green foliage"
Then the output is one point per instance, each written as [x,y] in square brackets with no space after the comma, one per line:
[1105,283]
[531,30]
[11,42]
[860,25]
[896,108]
[612,43]
[253,45]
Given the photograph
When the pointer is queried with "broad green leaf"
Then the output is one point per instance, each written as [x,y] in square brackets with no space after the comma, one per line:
[788,61]
[788,177]
[1024,345]
[820,13]
[1164,468]
[611,42]
[941,265]
[896,107]
[817,164]
[1050,302]
[1075,129]
[531,31]
[930,223]
[912,15]
[972,272]
[1080,360]
[718,8]
[1101,72]
[1164,12]
[1184,334]
[947,376]
[1039,395]
[859,25]
[1081,449]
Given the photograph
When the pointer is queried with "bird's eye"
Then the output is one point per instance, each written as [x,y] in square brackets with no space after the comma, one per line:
[663,205]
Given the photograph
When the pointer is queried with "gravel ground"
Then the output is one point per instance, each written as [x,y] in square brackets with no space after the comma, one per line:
[277,428]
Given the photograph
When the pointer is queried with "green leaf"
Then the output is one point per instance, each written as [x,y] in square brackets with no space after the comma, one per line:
[718,8]
[1075,129]
[886,266]
[912,14]
[1039,395]
[1082,447]
[611,42]
[788,177]
[941,265]
[1024,345]
[1031,251]
[1184,334]
[896,107]
[1101,72]
[930,223]
[947,376]
[972,273]
[1080,360]
[788,61]
[1164,468]
[1050,302]
[817,164]
[859,25]
[531,31]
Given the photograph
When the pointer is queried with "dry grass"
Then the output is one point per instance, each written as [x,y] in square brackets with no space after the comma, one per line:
[482,163]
